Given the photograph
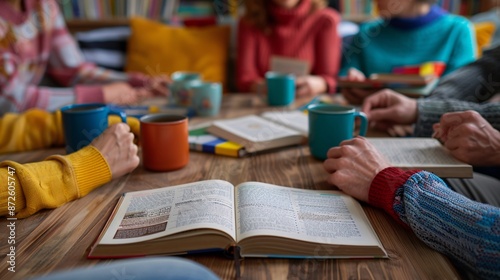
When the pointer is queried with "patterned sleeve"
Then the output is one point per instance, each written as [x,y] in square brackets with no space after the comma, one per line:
[468,88]
[464,230]
[66,62]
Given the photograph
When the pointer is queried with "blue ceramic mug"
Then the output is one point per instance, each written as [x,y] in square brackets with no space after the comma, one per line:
[84,122]
[207,99]
[181,93]
[331,124]
[280,89]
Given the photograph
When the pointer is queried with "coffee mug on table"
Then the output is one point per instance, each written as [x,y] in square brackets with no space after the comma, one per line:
[180,89]
[84,122]
[207,99]
[331,124]
[280,89]
[164,141]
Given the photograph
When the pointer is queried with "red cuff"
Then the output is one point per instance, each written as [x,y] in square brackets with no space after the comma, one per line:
[89,94]
[384,186]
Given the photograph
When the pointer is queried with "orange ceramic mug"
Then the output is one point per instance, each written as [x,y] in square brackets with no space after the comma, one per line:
[164,141]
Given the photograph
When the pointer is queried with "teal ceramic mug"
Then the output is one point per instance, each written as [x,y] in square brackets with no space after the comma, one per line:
[181,93]
[84,122]
[331,124]
[280,89]
[207,98]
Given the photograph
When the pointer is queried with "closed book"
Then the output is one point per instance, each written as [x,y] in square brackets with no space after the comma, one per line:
[256,133]
[202,141]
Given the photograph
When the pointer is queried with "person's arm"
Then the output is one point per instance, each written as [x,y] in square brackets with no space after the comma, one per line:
[353,52]
[60,179]
[462,229]
[39,129]
[468,88]
[247,73]
[51,183]
[66,61]
[448,222]
[16,95]
[464,46]
[328,47]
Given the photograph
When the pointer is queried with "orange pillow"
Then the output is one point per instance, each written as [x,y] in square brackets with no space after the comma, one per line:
[155,48]
[484,35]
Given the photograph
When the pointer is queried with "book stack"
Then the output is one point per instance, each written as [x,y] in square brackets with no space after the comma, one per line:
[414,85]
[248,134]
[202,141]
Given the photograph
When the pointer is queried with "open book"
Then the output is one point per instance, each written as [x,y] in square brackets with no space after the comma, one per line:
[263,220]
[422,153]
[257,133]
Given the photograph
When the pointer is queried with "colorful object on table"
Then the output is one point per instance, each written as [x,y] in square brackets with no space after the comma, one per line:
[206,99]
[202,141]
[164,141]
[435,68]
[84,122]
[330,124]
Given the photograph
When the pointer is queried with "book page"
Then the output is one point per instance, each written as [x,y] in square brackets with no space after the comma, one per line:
[296,120]
[255,128]
[328,217]
[150,214]
[288,65]
[414,152]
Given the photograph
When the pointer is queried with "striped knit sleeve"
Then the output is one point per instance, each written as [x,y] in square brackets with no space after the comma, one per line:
[468,88]
[66,62]
[464,230]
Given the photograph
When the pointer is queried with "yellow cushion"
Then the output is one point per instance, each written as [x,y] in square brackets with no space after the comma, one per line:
[484,35]
[155,48]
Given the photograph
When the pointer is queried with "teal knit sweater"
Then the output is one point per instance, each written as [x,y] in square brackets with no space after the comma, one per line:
[381,45]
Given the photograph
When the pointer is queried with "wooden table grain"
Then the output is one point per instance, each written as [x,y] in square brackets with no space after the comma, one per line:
[59,239]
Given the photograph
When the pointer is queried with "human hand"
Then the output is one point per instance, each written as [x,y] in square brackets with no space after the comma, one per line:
[469,138]
[355,96]
[353,165]
[158,85]
[259,86]
[117,147]
[310,85]
[123,94]
[386,108]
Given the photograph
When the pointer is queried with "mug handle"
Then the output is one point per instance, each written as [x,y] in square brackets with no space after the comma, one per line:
[364,123]
[119,113]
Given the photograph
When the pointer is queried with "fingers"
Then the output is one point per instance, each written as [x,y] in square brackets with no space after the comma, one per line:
[300,81]
[351,96]
[303,90]
[355,75]
[379,99]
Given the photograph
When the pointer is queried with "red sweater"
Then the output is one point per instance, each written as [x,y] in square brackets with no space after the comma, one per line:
[296,33]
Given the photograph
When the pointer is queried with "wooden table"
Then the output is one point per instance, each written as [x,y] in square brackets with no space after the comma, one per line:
[59,239]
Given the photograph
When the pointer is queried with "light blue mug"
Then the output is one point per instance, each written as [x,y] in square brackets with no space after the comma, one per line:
[207,98]
[84,122]
[280,88]
[331,124]
[181,93]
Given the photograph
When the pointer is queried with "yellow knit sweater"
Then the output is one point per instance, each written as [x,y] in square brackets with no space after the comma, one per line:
[55,181]
[50,183]
[38,129]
